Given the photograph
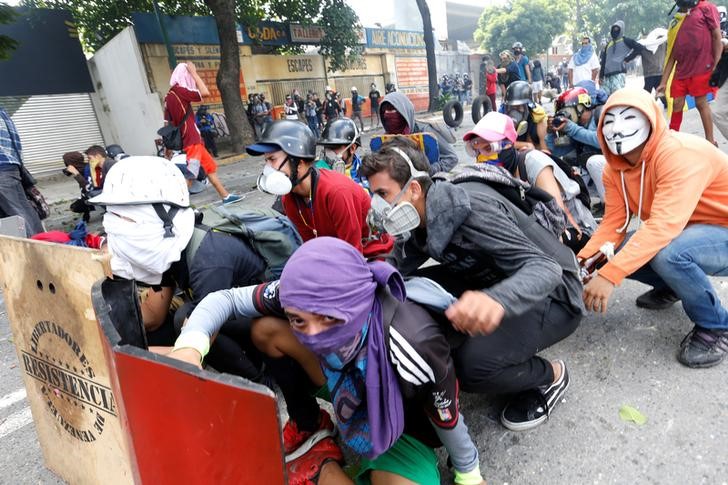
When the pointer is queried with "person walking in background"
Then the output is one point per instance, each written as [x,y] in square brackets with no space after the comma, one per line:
[374,96]
[206,125]
[491,84]
[13,201]
[653,59]
[584,64]
[693,53]
[186,88]
[356,102]
[524,69]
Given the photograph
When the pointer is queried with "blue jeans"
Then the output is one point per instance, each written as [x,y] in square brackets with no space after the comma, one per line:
[684,265]
[313,124]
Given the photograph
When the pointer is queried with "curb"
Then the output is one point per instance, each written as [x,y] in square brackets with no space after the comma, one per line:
[232,159]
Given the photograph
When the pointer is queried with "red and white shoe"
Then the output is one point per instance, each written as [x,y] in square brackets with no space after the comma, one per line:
[305,470]
[297,442]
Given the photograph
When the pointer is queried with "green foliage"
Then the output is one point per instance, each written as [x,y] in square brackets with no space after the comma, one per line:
[7,45]
[442,100]
[534,23]
[100,20]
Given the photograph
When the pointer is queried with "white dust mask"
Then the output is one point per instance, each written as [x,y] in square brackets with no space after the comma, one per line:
[274,182]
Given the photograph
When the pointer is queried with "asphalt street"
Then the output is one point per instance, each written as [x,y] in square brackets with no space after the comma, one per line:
[624,358]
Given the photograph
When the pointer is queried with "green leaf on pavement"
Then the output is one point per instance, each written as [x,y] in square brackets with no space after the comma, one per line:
[628,413]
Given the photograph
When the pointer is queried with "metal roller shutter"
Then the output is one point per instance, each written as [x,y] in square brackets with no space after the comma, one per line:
[51,125]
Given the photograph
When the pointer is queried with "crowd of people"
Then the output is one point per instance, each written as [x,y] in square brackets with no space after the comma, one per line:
[315,111]
[518,255]
[458,86]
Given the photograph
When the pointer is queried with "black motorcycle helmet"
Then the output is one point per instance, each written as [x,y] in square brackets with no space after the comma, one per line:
[293,137]
[519,93]
[341,131]
[112,151]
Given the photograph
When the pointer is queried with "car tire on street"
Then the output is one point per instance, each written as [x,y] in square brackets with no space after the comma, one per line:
[481,106]
[452,113]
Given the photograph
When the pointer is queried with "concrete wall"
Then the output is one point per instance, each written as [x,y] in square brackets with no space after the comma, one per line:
[129,113]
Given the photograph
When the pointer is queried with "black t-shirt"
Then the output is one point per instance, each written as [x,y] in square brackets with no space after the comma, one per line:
[374,98]
[223,261]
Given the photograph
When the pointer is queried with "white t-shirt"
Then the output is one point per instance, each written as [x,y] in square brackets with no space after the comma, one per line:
[535,162]
[584,72]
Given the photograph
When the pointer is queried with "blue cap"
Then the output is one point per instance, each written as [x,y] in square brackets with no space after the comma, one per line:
[261,148]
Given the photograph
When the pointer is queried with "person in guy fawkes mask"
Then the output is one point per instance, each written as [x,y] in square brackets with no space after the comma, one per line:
[318,202]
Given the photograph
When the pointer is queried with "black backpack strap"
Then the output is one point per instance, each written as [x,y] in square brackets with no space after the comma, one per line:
[539,235]
[390,305]
[521,160]
[167,218]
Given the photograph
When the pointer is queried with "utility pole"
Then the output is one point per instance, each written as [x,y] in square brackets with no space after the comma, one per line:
[171,58]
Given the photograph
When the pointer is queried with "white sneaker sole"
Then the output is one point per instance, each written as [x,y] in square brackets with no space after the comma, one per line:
[309,443]
[536,422]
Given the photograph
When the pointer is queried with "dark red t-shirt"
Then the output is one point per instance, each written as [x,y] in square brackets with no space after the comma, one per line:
[693,49]
[340,208]
[175,108]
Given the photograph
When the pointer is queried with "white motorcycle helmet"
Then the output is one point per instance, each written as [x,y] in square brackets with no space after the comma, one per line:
[144,180]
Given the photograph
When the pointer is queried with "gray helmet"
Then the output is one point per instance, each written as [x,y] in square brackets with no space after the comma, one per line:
[113,151]
[341,131]
[293,137]
[518,93]
[517,45]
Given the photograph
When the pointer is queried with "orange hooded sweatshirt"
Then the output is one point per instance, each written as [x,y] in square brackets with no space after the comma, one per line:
[682,179]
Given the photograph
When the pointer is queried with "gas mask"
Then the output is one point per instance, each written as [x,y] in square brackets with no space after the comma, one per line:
[625,128]
[274,182]
[397,219]
[520,120]
[334,160]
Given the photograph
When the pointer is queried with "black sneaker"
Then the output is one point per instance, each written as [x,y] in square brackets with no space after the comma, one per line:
[657,299]
[531,408]
[703,347]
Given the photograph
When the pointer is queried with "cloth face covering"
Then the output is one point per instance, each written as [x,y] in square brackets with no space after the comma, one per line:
[395,123]
[138,248]
[328,276]
[182,76]
[583,55]
[625,128]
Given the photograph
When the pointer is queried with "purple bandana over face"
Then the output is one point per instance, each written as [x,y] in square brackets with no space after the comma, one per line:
[328,276]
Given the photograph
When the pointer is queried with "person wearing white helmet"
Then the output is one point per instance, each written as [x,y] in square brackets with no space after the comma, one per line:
[150,228]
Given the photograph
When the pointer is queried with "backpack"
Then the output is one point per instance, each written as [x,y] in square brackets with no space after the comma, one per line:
[565,167]
[172,134]
[271,234]
[530,201]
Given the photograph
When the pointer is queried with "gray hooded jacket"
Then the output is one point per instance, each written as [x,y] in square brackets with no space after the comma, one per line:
[400,102]
[619,52]
[477,236]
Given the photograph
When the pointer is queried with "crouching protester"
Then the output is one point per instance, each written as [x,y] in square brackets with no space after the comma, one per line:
[151,232]
[318,202]
[341,140]
[387,365]
[492,141]
[518,286]
[676,184]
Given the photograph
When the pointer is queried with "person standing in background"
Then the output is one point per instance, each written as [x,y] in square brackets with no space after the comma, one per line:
[374,96]
[584,64]
[13,201]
